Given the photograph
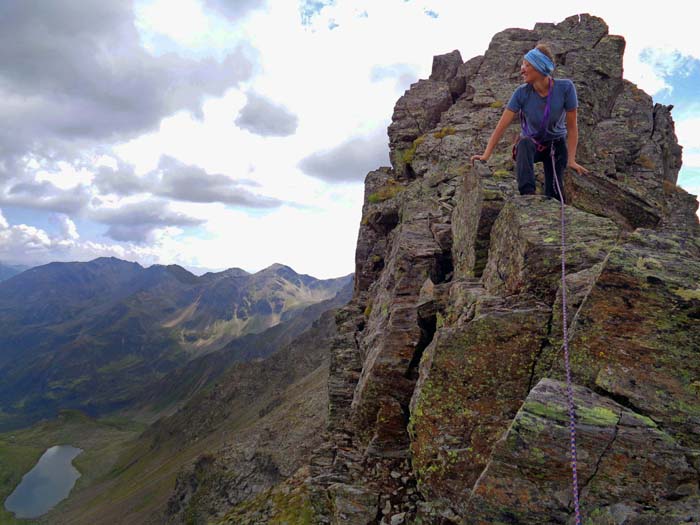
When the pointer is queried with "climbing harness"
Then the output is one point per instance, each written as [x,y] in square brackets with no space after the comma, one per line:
[569,390]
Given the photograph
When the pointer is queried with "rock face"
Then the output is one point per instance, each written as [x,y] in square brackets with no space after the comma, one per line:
[446,396]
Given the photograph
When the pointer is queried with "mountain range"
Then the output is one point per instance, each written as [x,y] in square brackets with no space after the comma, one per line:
[94,335]
[440,393]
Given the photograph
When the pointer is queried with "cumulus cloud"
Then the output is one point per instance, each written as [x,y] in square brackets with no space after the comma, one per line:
[27,245]
[74,73]
[263,117]
[138,222]
[67,228]
[193,184]
[120,180]
[3,222]
[179,181]
[22,243]
[45,196]
[349,161]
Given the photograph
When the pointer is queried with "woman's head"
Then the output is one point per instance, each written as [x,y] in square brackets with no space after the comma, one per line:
[537,62]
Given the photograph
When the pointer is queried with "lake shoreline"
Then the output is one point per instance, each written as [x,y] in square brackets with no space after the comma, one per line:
[46,484]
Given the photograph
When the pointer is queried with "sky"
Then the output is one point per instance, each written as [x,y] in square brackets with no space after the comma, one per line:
[237,133]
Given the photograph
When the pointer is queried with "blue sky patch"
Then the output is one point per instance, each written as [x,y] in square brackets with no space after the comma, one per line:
[682,74]
[309,8]
[689,180]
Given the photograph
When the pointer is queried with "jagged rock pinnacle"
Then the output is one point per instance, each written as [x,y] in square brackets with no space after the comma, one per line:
[451,343]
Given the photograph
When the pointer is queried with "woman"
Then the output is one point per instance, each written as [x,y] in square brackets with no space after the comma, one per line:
[547,110]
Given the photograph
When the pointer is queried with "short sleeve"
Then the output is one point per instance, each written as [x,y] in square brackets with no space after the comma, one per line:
[515,104]
[570,100]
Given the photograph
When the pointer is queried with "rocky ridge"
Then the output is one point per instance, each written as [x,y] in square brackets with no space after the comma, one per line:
[446,400]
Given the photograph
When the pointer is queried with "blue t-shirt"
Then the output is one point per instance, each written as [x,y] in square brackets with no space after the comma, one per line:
[563,99]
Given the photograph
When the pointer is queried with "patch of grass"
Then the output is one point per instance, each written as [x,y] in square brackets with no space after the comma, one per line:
[410,152]
[442,133]
[646,162]
[496,104]
[16,459]
[390,190]
[670,188]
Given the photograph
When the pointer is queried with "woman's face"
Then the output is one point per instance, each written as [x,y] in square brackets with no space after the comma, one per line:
[529,73]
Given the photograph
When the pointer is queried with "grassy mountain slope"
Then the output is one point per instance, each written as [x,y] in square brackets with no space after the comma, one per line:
[254,427]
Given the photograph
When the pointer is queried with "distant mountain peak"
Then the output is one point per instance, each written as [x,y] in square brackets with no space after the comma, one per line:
[111,260]
[279,269]
[276,267]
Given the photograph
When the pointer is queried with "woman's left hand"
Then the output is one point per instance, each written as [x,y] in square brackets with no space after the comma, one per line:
[577,167]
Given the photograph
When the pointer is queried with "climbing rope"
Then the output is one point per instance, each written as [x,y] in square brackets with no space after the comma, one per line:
[569,390]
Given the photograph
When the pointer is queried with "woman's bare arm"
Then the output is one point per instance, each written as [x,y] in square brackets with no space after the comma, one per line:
[572,141]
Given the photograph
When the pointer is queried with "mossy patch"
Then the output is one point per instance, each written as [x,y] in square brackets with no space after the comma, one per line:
[598,416]
[688,293]
[553,412]
[645,420]
[406,156]
[443,132]
[439,320]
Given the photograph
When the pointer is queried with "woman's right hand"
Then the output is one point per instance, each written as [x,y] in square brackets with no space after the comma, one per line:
[483,157]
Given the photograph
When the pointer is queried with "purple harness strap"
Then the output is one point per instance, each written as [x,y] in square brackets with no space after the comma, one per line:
[569,390]
[539,135]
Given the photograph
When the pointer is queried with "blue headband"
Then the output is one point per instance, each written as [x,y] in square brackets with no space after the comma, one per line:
[540,61]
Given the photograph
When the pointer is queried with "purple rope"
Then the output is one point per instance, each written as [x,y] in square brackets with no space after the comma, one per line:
[569,390]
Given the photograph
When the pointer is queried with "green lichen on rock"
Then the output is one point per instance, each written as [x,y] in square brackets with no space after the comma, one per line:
[622,456]
[475,383]
[637,334]
[524,253]
[599,416]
